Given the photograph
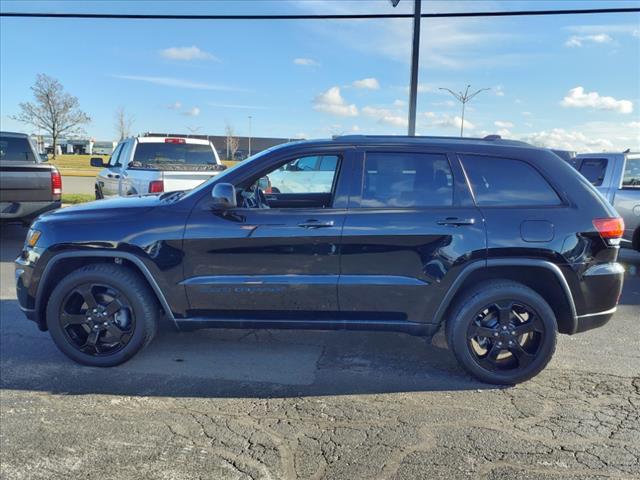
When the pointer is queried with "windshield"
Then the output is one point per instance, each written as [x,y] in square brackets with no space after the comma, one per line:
[157,155]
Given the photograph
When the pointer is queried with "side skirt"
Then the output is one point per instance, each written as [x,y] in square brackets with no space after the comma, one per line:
[411,328]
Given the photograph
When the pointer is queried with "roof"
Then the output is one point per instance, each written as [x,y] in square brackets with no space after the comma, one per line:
[488,140]
[158,139]
[14,134]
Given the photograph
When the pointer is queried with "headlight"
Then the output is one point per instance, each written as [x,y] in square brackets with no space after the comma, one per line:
[32,237]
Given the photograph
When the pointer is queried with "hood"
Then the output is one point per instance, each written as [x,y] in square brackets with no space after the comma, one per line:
[100,208]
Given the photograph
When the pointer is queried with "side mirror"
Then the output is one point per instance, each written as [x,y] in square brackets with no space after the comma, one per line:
[224,196]
[97,162]
[44,157]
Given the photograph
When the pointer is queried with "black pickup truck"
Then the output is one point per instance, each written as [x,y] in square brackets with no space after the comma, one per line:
[28,186]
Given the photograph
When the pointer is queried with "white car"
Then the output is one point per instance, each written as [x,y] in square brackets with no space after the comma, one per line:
[156,164]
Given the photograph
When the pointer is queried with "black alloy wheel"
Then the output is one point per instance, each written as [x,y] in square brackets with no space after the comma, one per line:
[502,332]
[97,319]
[102,314]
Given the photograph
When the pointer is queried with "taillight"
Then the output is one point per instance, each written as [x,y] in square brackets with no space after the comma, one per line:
[610,229]
[174,140]
[56,184]
[156,186]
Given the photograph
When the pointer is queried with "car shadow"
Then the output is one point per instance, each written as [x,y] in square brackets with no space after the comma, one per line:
[234,363]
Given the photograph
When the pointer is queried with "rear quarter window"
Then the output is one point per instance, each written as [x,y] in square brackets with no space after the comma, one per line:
[507,182]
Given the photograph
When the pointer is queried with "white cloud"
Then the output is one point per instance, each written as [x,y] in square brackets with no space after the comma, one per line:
[499,91]
[192,112]
[175,106]
[386,116]
[368,83]
[355,128]
[456,122]
[504,133]
[446,103]
[428,114]
[305,62]
[568,140]
[633,125]
[577,98]
[179,83]
[238,106]
[501,124]
[580,40]
[526,114]
[332,102]
[399,103]
[186,54]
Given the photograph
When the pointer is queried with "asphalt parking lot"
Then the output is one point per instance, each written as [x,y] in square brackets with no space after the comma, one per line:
[284,404]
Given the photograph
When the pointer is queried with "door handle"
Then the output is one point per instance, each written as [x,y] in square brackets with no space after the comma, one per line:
[456,221]
[316,224]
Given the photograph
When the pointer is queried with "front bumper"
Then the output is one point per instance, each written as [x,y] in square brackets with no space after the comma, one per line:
[26,299]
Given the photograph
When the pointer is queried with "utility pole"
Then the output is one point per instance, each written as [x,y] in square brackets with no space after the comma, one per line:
[249,135]
[415,59]
[464,98]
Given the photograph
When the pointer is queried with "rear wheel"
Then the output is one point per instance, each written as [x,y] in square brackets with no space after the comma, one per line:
[99,195]
[102,314]
[502,332]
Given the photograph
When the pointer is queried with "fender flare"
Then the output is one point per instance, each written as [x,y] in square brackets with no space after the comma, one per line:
[507,262]
[105,254]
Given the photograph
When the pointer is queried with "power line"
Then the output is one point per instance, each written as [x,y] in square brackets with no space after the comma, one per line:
[356,16]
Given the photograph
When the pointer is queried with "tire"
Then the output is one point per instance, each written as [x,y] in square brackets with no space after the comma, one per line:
[126,320]
[475,332]
[99,195]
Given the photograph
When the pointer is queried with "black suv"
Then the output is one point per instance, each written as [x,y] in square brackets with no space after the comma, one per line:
[501,244]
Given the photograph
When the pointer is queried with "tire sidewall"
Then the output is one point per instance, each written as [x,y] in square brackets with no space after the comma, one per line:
[466,314]
[55,329]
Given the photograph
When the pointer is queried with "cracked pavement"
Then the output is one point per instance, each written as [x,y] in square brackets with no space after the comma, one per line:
[339,405]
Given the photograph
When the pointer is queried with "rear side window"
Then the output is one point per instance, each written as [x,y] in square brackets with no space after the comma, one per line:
[406,180]
[507,182]
[631,177]
[16,149]
[593,169]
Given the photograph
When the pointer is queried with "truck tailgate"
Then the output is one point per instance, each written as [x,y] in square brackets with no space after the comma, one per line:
[184,180]
[25,182]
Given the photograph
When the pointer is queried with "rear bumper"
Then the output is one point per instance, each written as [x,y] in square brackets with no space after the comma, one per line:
[602,286]
[22,210]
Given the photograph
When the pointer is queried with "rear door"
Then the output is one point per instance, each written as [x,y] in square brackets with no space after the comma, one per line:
[409,228]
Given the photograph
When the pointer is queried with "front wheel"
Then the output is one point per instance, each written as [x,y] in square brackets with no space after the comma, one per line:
[502,332]
[102,314]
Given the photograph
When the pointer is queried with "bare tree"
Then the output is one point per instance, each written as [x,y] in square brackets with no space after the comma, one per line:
[233,142]
[464,98]
[124,123]
[53,110]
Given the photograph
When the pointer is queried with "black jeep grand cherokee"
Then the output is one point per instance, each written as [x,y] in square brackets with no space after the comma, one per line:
[501,244]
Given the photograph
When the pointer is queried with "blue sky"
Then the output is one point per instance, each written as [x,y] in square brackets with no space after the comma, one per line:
[566,81]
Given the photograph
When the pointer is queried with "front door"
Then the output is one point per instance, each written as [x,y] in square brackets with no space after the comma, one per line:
[277,263]
[108,179]
[412,223]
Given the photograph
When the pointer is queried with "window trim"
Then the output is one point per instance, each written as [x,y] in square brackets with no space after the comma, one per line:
[341,154]
[116,152]
[355,200]
[563,203]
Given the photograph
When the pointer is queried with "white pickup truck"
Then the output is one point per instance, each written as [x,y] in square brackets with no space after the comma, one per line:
[156,164]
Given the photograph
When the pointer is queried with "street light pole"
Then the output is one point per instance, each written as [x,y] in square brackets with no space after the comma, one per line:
[415,58]
[249,135]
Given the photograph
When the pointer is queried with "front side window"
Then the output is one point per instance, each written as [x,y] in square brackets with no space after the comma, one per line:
[594,169]
[631,177]
[311,174]
[396,180]
[507,182]
[115,156]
